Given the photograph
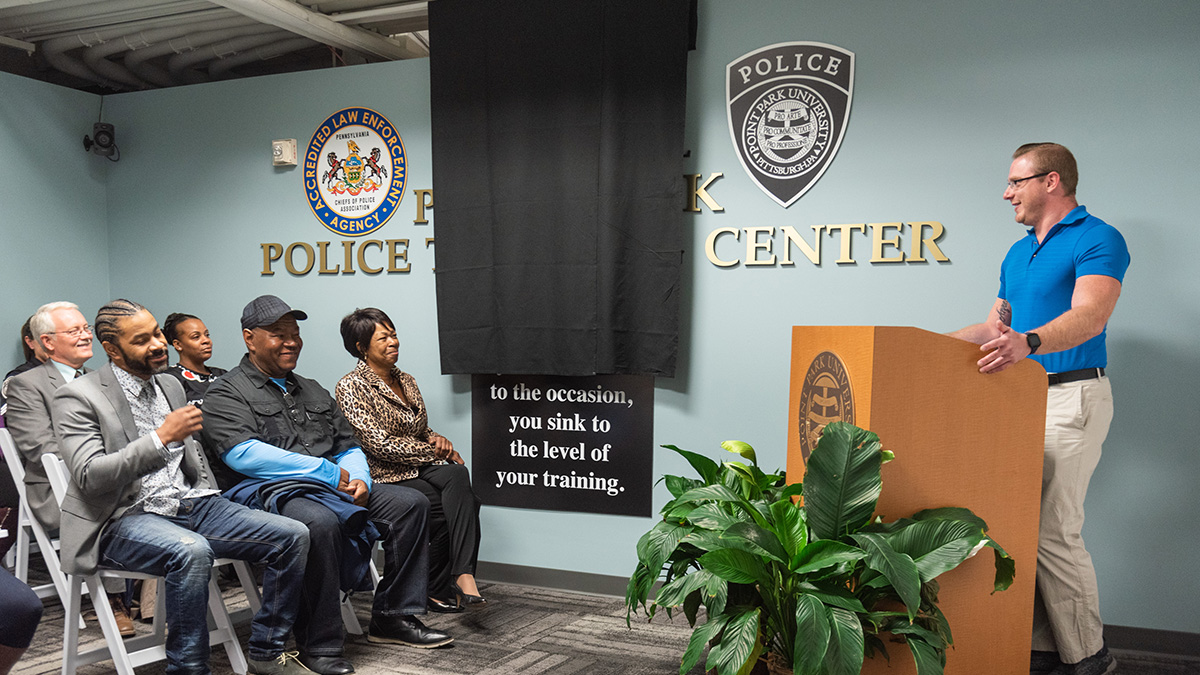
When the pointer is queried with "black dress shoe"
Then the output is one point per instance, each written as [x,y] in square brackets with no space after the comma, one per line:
[327,665]
[406,630]
[443,606]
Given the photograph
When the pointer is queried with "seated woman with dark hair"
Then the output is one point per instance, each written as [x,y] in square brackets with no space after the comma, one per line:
[191,340]
[387,412]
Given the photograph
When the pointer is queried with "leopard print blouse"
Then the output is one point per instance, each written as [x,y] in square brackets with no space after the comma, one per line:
[394,436]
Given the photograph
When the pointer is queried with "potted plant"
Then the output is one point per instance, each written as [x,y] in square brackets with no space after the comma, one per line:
[808,586]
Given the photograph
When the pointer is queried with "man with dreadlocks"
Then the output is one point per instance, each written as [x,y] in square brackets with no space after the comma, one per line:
[141,490]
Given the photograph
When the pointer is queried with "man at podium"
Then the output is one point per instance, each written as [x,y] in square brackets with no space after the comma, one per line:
[1058,286]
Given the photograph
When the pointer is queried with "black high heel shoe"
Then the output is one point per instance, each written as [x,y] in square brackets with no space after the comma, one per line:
[468,600]
[447,606]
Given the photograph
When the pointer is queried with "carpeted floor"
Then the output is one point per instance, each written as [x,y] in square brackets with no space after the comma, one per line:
[523,630]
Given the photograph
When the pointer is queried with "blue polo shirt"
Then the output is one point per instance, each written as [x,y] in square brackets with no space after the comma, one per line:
[1039,279]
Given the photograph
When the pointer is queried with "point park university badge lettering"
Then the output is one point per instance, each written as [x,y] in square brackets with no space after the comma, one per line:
[825,397]
[354,171]
[788,105]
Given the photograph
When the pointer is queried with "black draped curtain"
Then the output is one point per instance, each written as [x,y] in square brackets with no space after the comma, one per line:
[557,131]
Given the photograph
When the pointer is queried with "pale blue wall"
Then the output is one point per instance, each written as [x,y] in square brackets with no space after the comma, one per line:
[52,200]
[943,94]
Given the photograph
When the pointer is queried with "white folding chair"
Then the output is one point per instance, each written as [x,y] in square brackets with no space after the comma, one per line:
[27,524]
[129,654]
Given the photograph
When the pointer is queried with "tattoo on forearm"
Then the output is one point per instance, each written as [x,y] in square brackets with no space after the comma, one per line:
[1005,313]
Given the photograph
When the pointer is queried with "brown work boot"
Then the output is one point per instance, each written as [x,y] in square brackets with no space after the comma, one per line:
[121,616]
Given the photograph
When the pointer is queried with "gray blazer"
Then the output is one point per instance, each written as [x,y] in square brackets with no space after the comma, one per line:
[100,444]
[28,419]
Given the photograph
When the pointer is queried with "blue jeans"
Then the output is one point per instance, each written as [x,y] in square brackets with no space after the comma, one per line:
[165,546]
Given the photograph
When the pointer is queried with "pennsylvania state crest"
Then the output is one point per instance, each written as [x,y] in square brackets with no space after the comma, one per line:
[354,171]
[788,105]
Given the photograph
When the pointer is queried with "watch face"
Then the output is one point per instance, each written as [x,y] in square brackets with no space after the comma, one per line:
[1033,341]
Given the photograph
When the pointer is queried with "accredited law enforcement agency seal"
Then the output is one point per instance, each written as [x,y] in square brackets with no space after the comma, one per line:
[825,397]
[354,171]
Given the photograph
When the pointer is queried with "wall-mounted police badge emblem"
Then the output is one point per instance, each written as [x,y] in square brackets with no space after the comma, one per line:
[788,105]
[354,171]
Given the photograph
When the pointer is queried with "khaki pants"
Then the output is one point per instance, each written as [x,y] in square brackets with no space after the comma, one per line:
[1066,607]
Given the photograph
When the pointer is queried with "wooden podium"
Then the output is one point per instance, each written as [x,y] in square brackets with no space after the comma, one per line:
[961,438]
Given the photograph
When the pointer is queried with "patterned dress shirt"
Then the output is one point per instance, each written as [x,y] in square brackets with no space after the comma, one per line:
[163,489]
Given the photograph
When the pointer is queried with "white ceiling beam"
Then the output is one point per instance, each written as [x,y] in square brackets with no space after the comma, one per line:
[307,23]
[18,44]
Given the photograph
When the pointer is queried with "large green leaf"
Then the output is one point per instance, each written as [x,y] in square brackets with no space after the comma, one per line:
[812,635]
[903,627]
[792,490]
[937,546]
[638,589]
[749,483]
[711,516]
[928,659]
[761,541]
[676,512]
[714,493]
[656,546]
[951,513]
[845,654]
[708,540]
[699,640]
[822,553]
[832,595]
[789,526]
[842,480]
[716,594]
[674,592]
[739,567]
[678,485]
[898,568]
[1006,567]
[740,448]
[703,465]
[737,644]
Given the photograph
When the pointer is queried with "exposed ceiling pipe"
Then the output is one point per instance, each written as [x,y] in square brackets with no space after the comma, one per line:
[55,53]
[16,8]
[93,57]
[307,23]
[5,4]
[219,68]
[96,57]
[138,61]
[153,24]
[180,63]
[101,14]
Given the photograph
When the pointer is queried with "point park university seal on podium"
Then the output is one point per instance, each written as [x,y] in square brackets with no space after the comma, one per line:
[825,397]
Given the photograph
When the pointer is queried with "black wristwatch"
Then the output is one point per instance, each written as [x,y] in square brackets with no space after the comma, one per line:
[1033,341]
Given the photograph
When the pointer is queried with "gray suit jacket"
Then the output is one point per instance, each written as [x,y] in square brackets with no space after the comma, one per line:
[100,444]
[28,419]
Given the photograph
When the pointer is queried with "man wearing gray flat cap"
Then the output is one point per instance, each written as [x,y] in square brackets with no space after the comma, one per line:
[269,427]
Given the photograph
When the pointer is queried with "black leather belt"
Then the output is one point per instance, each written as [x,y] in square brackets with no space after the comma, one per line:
[1075,375]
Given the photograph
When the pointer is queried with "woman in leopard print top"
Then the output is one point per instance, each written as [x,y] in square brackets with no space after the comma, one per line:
[385,407]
